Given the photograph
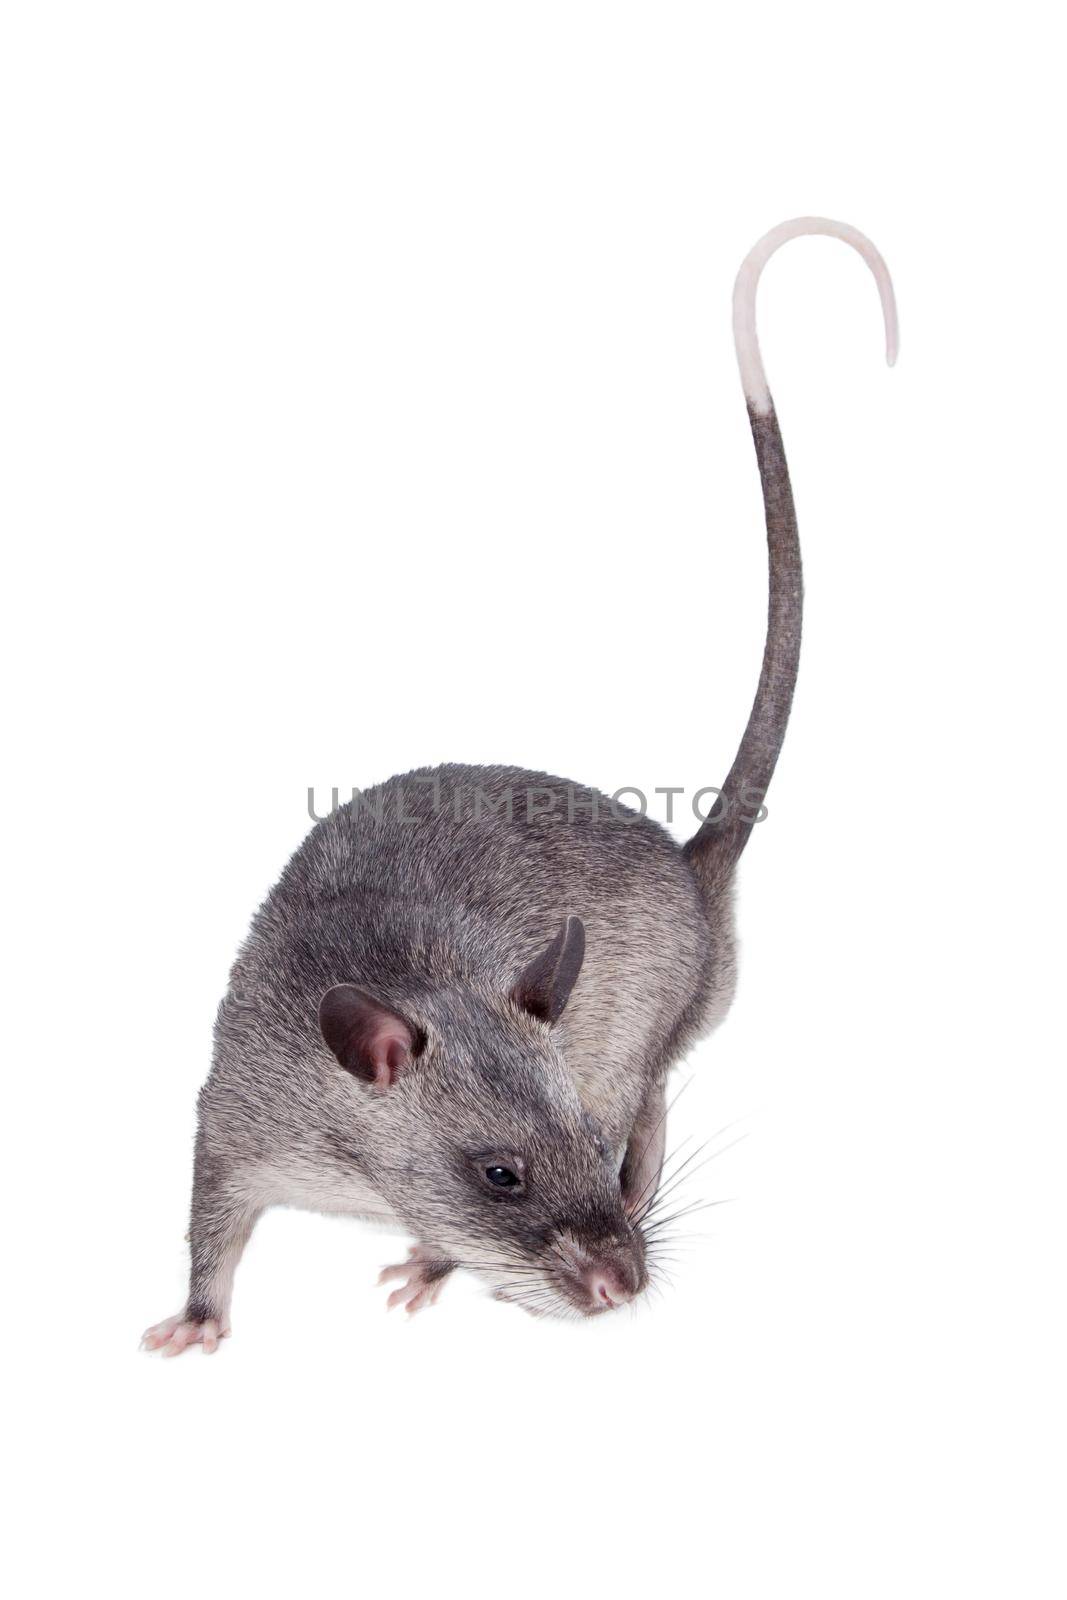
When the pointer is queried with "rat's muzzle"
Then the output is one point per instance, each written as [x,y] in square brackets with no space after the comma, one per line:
[598,1274]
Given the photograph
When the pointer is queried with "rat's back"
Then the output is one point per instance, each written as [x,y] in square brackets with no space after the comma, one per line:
[458,875]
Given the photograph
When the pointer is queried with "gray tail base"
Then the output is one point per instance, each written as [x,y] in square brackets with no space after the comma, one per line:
[713,851]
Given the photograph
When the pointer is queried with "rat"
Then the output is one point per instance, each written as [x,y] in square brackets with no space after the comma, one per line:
[457,1010]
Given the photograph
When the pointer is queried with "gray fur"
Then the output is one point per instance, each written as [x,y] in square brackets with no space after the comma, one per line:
[427,896]
[436,915]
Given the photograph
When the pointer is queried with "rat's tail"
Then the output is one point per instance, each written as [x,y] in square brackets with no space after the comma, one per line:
[714,850]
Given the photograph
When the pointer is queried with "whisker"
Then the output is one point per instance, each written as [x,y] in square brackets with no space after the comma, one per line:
[677,1178]
[686,1211]
[668,1108]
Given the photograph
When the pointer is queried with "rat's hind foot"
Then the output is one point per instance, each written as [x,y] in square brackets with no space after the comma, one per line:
[423,1273]
[179,1333]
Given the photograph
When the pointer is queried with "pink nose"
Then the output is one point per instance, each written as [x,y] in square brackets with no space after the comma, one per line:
[607,1288]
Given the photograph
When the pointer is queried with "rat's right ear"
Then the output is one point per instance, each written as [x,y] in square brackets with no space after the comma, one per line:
[544,987]
[368,1039]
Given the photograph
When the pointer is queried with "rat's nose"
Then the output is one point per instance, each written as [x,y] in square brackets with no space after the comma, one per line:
[612,1276]
[609,1287]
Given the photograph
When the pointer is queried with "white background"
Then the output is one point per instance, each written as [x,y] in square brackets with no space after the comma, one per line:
[369,400]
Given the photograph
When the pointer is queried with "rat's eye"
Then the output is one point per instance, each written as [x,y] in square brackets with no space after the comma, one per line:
[503,1172]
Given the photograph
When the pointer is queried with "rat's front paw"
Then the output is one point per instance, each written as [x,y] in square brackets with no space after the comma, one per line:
[423,1273]
[179,1333]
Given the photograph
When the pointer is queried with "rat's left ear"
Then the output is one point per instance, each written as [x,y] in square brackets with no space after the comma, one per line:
[544,987]
[370,1041]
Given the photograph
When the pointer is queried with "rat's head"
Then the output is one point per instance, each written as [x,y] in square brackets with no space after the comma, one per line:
[476,1136]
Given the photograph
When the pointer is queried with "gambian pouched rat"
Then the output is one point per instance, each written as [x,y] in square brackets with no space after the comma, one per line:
[437,1021]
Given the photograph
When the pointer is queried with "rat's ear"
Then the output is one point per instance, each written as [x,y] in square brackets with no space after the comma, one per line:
[544,987]
[368,1039]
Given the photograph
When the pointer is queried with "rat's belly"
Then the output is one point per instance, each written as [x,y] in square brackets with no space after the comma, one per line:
[326,1189]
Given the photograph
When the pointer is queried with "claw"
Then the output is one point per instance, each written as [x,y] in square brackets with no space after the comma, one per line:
[422,1275]
[176,1334]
